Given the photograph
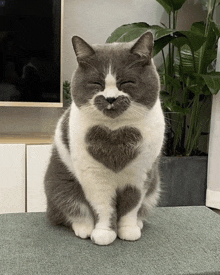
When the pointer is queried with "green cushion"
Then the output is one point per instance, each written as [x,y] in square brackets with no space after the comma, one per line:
[175,240]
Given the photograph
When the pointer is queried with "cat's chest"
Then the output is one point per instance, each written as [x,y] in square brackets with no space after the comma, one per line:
[115,149]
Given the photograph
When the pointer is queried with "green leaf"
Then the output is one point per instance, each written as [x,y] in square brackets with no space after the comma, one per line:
[160,32]
[122,30]
[174,82]
[195,84]
[194,39]
[132,34]
[184,61]
[215,27]
[179,41]
[205,57]
[167,5]
[198,27]
[211,38]
[212,81]
[172,104]
[129,32]
[174,107]
[135,32]
[160,43]
[171,5]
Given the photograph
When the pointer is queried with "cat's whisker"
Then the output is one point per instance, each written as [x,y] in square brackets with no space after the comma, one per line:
[138,110]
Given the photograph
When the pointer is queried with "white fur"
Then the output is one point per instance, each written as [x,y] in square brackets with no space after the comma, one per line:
[100,183]
[62,150]
[103,236]
[83,227]
[111,90]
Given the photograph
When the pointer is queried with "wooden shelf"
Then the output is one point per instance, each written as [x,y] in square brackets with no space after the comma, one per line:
[27,138]
[30,104]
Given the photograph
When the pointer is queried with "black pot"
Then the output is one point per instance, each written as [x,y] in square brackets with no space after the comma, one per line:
[184,181]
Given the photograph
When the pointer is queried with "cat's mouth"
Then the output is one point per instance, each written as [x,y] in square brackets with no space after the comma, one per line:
[112,107]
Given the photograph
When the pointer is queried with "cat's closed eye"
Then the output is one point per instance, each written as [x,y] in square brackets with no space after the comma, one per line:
[127,83]
[96,84]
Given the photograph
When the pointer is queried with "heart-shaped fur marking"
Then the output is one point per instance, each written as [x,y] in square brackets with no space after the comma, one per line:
[115,149]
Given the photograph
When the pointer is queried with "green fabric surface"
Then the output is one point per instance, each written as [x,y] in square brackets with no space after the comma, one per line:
[175,240]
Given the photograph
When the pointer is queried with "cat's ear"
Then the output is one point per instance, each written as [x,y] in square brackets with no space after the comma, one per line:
[81,48]
[144,46]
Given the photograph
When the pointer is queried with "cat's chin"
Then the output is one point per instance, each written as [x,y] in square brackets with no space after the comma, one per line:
[119,106]
[112,113]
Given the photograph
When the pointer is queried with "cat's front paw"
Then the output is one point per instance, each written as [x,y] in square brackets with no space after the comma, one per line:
[140,223]
[103,236]
[82,230]
[129,233]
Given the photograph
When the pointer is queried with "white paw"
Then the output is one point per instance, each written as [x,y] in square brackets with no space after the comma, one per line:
[103,236]
[129,233]
[83,229]
[140,224]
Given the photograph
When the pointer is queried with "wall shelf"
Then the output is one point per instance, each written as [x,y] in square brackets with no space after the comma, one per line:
[26,138]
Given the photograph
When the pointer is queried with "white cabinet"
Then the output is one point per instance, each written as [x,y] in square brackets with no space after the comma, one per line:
[22,170]
[12,178]
[37,160]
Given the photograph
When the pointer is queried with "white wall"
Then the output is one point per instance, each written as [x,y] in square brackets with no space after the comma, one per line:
[95,20]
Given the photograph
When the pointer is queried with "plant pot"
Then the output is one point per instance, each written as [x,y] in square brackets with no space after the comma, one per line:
[184,181]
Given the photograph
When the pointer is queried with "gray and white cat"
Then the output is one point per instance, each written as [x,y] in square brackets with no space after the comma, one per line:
[103,178]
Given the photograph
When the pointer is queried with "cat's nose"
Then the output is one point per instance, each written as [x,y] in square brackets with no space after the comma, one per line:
[110,99]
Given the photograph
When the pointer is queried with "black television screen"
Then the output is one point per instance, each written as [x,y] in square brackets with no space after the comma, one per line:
[30,43]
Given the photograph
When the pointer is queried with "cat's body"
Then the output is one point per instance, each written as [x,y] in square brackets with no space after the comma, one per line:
[103,174]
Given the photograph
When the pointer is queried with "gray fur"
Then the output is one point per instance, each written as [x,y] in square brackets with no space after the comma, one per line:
[115,149]
[64,192]
[151,184]
[126,200]
[127,64]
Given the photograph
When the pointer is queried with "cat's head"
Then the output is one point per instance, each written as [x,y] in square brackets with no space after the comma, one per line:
[113,78]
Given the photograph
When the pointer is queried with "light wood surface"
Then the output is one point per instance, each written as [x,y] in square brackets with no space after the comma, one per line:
[26,138]
[31,104]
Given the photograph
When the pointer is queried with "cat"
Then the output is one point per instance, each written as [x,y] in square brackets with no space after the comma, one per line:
[102,178]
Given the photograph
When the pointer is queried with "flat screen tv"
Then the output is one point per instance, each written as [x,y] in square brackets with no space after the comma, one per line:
[30,53]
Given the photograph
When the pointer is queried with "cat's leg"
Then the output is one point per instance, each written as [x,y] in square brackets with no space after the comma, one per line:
[101,197]
[105,228]
[129,202]
[128,228]
[84,225]
[55,216]
[66,202]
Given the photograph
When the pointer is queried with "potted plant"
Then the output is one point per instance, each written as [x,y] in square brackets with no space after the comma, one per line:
[66,94]
[188,81]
